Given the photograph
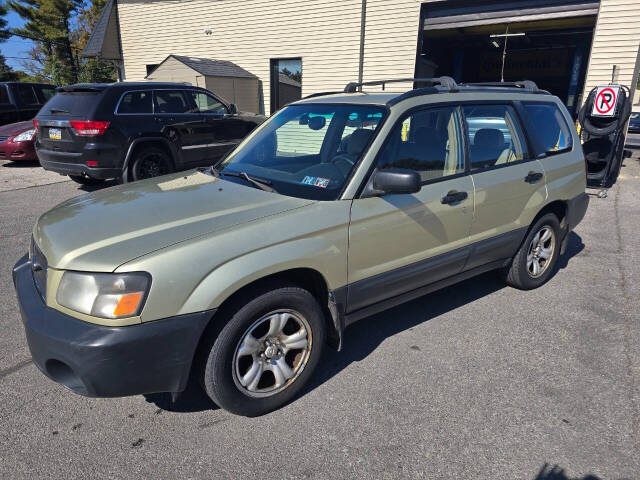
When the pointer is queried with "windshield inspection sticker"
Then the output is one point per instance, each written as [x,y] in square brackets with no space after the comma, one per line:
[316,181]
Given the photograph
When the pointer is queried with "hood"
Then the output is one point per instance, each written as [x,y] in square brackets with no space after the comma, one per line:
[102,230]
[15,128]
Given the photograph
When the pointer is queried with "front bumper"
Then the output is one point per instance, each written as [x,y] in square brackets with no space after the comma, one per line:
[17,151]
[100,361]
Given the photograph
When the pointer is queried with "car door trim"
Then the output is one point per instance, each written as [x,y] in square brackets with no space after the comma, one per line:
[385,290]
[204,145]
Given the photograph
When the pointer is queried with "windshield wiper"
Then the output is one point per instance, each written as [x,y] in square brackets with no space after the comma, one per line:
[211,170]
[58,110]
[262,184]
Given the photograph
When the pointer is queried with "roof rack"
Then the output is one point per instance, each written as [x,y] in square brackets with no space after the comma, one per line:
[446,82]
[525,84]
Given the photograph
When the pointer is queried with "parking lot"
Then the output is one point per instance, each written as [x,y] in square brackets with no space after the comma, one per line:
[476,381]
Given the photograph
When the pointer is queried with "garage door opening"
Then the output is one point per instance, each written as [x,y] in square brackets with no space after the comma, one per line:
[554,53]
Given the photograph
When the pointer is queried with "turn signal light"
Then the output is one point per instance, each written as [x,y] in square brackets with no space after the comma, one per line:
[88,128]
[128,304]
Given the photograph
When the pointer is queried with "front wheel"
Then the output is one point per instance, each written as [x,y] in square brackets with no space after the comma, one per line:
[536,259]
[266,352]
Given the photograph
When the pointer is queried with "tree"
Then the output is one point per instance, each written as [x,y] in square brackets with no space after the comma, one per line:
[92,69]
[48,23]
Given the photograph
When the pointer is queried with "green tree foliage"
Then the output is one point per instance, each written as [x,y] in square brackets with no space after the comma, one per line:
[60,29]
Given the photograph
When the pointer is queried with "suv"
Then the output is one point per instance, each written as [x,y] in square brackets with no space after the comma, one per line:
[132,131]
[338,207]
[21,101]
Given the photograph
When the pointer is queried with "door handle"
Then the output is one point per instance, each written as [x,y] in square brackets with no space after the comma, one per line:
[453,197]
[533,177]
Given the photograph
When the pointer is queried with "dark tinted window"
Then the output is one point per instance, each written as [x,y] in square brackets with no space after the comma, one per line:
[136,102]
[170,101]
[427,141]
[207,104]
[72,103]
[4,95]
[26,95]
[493,135]
[549,126]
[47,92]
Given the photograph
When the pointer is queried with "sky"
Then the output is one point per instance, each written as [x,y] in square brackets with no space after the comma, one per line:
[15,46]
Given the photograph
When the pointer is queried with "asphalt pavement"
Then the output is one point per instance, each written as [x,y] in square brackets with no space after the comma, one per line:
[478,381]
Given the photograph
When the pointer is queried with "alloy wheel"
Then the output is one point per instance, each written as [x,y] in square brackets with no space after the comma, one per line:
[272,353]
[540,252]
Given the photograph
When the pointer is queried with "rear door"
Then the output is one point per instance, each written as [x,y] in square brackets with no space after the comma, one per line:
[398,243]
[179,122]
[509,183]
[8,112]
[27,101]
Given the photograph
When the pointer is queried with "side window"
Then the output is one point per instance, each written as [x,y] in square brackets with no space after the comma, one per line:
[47,93]
[136,103]
[26,95]
[549,126]
[427,141]
[170,101]
[4,95]
[208,104]
[494,136]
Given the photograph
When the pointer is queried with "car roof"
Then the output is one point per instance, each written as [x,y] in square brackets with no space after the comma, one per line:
[430,94]
[28,83]
[127,85]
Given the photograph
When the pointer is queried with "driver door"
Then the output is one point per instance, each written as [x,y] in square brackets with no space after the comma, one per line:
[398,243]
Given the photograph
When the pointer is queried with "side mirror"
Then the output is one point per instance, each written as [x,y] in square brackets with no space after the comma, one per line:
[233,109]
[396,181]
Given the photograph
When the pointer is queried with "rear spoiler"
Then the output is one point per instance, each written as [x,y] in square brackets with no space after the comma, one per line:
[81,88]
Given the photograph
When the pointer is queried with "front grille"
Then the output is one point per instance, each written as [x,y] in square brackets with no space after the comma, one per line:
[39,269]
[3,138]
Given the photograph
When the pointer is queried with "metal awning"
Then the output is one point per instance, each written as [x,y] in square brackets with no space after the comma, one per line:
[104,41]
[453,15]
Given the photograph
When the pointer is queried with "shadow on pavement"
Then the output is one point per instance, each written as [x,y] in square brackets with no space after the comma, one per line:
[22,164]
[363,337]
[547,472]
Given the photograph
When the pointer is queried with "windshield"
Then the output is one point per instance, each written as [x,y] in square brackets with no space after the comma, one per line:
[306,151]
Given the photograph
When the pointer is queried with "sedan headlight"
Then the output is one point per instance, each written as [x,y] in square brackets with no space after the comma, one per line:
[104,295]
[25,136]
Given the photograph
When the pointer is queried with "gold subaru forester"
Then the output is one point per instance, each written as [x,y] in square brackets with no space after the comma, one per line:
[337,207]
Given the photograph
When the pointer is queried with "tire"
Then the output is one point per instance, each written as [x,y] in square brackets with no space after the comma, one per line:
[85,180]
[522,273]
[234,360]
[148,163]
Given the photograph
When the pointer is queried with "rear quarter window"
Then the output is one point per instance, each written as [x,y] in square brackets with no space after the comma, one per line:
[77,104]
[4,95]
[549,128]
[139,102]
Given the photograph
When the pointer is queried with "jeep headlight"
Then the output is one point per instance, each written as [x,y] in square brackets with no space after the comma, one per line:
[104,295]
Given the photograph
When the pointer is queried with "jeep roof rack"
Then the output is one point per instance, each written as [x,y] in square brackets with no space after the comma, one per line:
[447,82]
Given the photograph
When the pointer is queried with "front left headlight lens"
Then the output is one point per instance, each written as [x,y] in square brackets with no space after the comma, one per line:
[25,136]
[104,295]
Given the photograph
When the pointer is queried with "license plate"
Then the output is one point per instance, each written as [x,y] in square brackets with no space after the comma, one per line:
[55,134]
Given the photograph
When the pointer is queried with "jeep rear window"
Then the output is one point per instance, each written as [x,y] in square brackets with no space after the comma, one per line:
[72,103]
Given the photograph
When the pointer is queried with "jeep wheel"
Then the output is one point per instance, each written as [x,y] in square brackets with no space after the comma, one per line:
[266,352]
[535,261]
[86,180]
[150,162]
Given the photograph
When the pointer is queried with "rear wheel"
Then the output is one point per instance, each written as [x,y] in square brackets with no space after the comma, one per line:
[266,352]
[535,262]
[86,180]
[150,162]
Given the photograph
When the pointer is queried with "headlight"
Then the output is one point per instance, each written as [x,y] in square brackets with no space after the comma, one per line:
[104,295]
[25,136]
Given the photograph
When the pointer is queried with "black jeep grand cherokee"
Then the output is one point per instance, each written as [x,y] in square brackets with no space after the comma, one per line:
[132,131]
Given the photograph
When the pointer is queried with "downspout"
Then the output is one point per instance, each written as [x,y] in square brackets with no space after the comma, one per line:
[363,19]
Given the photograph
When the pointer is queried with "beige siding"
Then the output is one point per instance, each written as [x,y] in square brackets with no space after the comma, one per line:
[325,33]
[241,91]
[616,42]
[174,71]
